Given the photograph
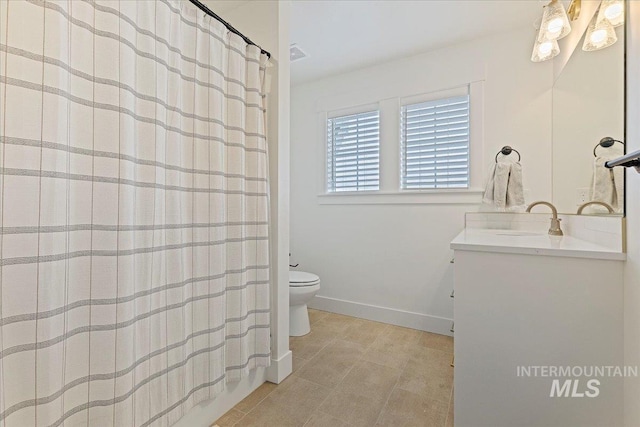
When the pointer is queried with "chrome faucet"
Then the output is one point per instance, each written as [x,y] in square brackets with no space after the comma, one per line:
[609,208]
[554,229]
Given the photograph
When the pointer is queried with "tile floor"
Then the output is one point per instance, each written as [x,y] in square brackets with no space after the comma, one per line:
[356,373]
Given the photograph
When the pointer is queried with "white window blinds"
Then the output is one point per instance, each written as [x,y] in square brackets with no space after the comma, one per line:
[353,152]
[435,144]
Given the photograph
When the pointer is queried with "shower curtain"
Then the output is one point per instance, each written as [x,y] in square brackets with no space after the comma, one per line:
[134,258]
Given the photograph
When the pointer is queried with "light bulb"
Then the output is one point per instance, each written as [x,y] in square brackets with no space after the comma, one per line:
[598,36]
[555,23]
[545,49]
[555,26]
[613,12]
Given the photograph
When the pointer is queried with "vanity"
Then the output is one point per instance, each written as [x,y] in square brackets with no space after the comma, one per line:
[538,315]
[526,304]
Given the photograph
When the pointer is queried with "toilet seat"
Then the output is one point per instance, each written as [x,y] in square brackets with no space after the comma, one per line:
[302,278]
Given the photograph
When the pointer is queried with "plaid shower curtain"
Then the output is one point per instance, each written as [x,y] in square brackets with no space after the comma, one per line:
[134,258]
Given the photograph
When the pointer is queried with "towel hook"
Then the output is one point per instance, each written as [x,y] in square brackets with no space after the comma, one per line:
[505,151]
[605,142]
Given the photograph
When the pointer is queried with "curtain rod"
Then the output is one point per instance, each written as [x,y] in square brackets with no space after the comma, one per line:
[209,12]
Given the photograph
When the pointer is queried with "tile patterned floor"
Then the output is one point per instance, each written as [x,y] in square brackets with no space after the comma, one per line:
[351,372]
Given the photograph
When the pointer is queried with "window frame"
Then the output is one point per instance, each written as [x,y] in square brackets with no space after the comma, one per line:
[389,107]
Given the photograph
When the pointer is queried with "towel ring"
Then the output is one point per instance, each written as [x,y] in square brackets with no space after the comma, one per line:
[505,151]
[605,142]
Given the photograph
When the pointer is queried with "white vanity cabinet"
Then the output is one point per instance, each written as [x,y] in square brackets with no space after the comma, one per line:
[518,308]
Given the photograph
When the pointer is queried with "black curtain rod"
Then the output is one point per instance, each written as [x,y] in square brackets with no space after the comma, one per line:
[209,12]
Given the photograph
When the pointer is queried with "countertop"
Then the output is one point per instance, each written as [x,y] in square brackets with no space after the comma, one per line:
[528,243]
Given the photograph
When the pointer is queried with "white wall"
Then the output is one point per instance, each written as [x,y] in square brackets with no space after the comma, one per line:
[267,24]
[391,262]
[632,276]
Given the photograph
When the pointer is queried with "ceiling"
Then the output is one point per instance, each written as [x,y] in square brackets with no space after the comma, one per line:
[343,35]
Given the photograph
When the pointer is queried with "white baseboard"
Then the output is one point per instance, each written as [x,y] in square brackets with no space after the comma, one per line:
[280,368]
[408,319]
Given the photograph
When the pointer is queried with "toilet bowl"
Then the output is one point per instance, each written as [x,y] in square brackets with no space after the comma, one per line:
[302,287]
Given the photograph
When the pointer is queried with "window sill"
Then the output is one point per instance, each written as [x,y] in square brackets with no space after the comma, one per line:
[465,196]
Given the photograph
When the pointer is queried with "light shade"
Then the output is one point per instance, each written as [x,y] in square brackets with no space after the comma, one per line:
[600,34]
[543,51]
[612,11]
[555,22]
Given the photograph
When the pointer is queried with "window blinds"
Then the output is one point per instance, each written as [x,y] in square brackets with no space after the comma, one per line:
[353,152]
[435,144]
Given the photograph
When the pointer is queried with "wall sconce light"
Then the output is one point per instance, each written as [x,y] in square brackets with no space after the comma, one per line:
[600,34]
[612,11]
[545,50]
[554,26]
[555,22]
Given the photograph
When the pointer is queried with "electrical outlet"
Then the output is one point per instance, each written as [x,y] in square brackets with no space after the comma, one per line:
[582,195]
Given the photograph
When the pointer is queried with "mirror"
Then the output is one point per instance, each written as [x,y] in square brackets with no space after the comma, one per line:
[588,104]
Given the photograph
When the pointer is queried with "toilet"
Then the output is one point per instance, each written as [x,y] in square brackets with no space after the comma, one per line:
[302,287]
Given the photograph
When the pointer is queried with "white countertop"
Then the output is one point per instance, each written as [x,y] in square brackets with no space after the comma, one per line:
[527,243]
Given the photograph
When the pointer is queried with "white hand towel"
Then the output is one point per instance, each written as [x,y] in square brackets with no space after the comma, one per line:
[504,187]
[607,185]
[487,198]
[618,181]
[498,181]
[515,190]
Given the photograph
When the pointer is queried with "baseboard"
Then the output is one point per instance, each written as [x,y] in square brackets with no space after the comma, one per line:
[408,319]
[280,368]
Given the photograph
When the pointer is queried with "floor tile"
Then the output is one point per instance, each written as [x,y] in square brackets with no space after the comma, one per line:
[291,404]
[396,340]
[435,386]
[334,323]
[229,419]
[363,332]
[402,335]
[352,408]
[309,345]
[405,409]
[428,372]
[320,419]
[269,416]
[389,358]
[332,364]
[449,422]
[315,315]
[436,341]
[428,359]
[370,380]
[297,363]
[250,402]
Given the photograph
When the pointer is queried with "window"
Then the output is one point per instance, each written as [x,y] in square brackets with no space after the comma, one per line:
[435,144]
[353,152]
